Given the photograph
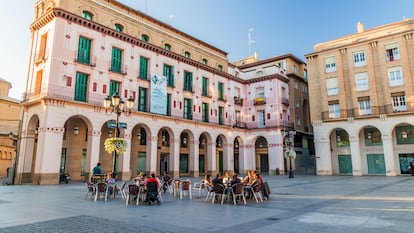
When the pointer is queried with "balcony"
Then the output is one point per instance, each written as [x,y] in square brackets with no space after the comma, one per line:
[285,101]
[376,111]
[41,56]
[241,125]
[119,70]
[86,60]
[259,101]
[238,101]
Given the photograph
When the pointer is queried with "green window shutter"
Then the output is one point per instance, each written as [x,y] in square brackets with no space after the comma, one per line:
[168,104]
[114,88]
[220,91]
[142,99]
[205,112]
[188,103]
[205,82]
[116,60]
[81,86]
[84,50]
[188,81]
[143,68]
[169,73]
[220,115]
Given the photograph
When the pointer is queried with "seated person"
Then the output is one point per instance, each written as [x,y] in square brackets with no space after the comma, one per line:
[152,194]
[111,180]
[226,177]
[207,181]
[259,176]
[218,179]
[247,178]
[97,170]
[235,179]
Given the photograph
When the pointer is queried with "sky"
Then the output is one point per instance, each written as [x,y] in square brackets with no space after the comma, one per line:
[276,27]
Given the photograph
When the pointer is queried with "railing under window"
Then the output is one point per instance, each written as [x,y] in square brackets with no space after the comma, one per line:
[259,101]
[120,70]
[375,111]
[90,61]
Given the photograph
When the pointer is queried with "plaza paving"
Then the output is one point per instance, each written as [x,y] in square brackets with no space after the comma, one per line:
[303,204]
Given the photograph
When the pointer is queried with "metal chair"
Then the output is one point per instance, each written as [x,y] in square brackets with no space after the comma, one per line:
[133,192]
[90,189]
[100,190]
[238,191]
[218,192]
[185,186]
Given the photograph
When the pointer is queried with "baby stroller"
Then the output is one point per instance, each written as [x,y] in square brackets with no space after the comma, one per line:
[152,193]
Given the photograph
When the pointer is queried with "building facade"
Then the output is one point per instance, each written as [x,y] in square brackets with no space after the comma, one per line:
[361,101]
[211,116]
[9,124]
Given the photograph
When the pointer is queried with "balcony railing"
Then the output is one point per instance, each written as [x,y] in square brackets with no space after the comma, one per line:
[120,70]
[375,111]
[259,101]
[41,56]
[238,101]
[285,101]
[86,61]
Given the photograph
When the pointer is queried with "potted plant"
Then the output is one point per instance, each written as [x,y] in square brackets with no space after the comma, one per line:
[115,144]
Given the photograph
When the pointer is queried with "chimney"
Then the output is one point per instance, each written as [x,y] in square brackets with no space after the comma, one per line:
[360,27]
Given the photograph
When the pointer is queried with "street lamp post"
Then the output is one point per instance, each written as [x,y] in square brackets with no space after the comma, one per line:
[115,105]
[289,141]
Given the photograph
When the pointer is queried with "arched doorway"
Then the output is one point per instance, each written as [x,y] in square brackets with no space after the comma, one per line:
[341,152]
[202,154]
[219,154]
[261,155]
[164,151]
[138,158]
[236,156]
[404,144]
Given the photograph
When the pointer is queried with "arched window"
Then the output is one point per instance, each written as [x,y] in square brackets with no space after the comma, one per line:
[118,27]
[220,67]
[167,47]
[187,54]
[204,61]
[145,37]
[87,15]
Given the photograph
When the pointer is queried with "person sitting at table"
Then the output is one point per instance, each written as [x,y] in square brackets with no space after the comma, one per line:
[247,178]
[218,179]
[258,176]
[111,180]
[235,179]
[97,170]
[143,180]
[207,181]
[226,177]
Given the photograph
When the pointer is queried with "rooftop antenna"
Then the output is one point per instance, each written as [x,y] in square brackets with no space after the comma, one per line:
[250,39]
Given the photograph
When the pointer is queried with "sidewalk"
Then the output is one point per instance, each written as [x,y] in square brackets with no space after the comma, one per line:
[304,204]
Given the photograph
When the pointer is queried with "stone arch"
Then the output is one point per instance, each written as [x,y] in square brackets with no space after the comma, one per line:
[341,159]
[261,155]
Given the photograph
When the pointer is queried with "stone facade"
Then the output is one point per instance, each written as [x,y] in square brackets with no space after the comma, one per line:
[361,98]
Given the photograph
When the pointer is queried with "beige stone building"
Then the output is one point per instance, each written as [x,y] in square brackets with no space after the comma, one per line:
[9,123]
[362,101]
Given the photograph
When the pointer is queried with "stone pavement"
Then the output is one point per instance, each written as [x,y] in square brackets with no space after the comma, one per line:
[304,204]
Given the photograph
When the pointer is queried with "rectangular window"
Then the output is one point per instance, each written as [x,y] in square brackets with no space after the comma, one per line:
[220,116]
[298,122]
[205,112]
[296,85]
[169,73]
[364,106]
[392,52]
[334,111]
[84,50]
[204,91]
[361,81]
[330,64]
[395,76]
[116,62]
[332,86]
[188,81]
[94,87]
[143,68]
[81,86]
[359,58]
[188,103]
[220,91]
[261,120]
[142,99]
[399,103]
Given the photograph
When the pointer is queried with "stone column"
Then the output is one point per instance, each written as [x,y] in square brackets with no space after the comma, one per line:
[323,157]
[390,169]
[355,156]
